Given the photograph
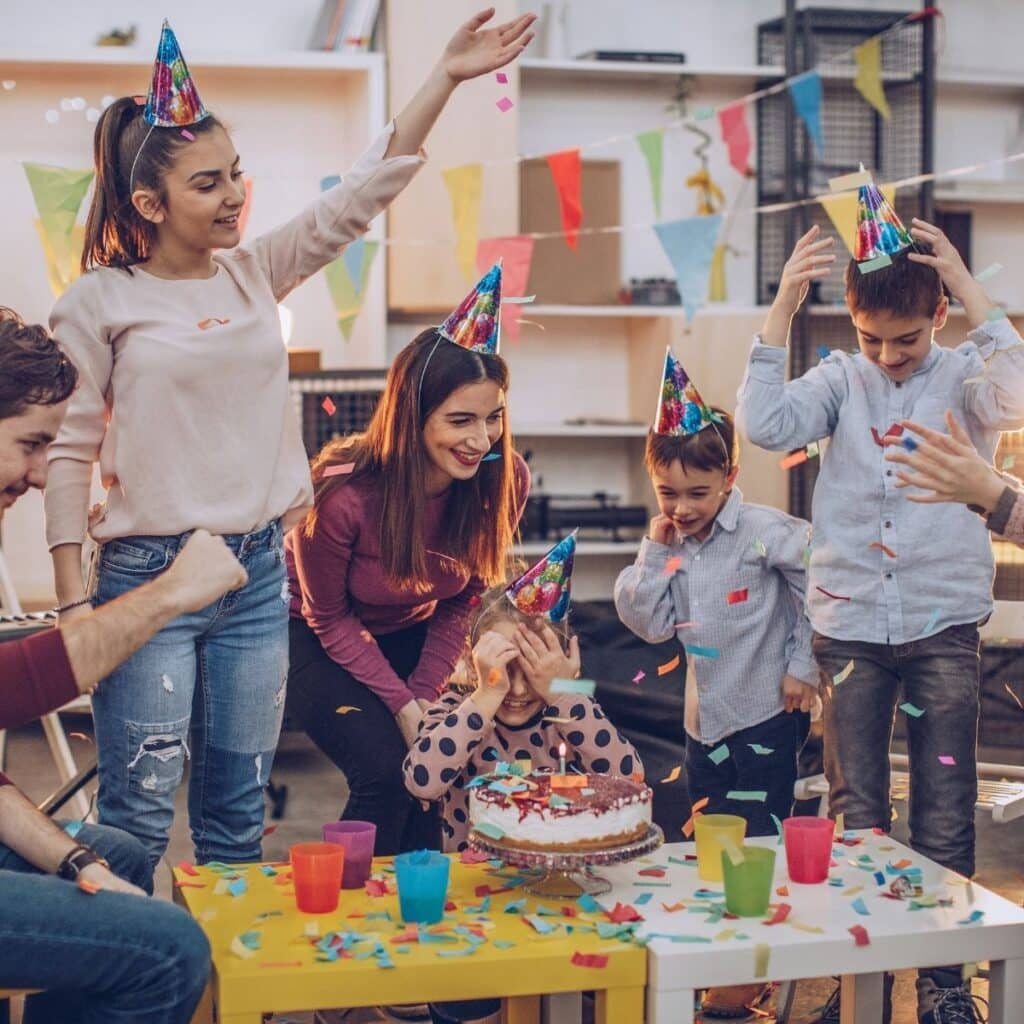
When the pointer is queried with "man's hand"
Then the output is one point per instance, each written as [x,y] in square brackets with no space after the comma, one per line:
[797,695]
[103,878]
[663,530]
[204,570]
[543,659]
[408,718]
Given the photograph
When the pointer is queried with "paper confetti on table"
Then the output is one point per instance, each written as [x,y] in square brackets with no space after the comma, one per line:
[622,913]
[238,887]
[762,954]
[673,908]
[328,406]
[340,469]
[876,546]
[669,666]
[782,911]
[947,759]
[737,596]
[860,935]
[589,905]
[840,824]
[345,709]
[860,906]
[794,459]
[843,674]
[589,959]
[504,104]
[758,749]
[672,566]
[911,709]
[583,687]
[975,917]
[642,900]
[240,949]
[719,754]
[828,593]
[694,811]
[673,775]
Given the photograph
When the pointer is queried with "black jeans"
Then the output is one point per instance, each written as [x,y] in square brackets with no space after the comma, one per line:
[941,676]
[744,769]
[366,745]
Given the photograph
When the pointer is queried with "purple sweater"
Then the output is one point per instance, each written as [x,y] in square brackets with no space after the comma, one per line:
[339,587]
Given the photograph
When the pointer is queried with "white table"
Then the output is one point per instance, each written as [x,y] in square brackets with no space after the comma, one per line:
[900,938]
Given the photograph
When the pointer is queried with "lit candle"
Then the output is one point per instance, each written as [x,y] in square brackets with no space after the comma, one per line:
[561,758]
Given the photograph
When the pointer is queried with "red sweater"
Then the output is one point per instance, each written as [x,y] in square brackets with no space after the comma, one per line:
[35,678]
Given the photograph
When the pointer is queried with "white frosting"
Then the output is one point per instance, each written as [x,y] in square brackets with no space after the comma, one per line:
[545,829]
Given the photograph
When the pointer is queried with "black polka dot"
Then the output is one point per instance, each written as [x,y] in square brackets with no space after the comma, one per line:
[626,767]
[473,744]
[459,814]
[603,737]
[490,754]
[600,764]
[553,751]
[447,774]
[536,739]
[503,741]
[448,830]
[551,709]
[522,755]
[460,783]
[575,737]
[424,745]
[578,711]
[475,721]
[420,775]
[462,846]
[471,768]
[451,721]
[446,745]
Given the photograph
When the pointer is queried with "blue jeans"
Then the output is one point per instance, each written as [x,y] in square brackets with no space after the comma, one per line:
[210,686]
[109,958]
[941,675]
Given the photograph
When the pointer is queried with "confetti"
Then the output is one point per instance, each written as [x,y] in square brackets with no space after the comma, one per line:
[781,913]
[782,890]
[843,675]
[824,351]
[238,887]
[911,709]
[88,887]
[813,450]
[345,709]
[988,273]
[501,78]
[860,935]
[188,869]
[240,949]
[669,666]
[933,621]
[737,596]
[1014,696]
[860,906]
[673,908]
[639,676]
[909,443]
[685,625]
[583,687]
[1008,462]
[697,807]
[189,885]
[995,313]
[760,548]
[186,134]
[975,917]
[491,457]
[794,459]
[672,566]
[758,749]
[672,775]
[494,676]
[589,905]
[828,593]
[756,795]
[778,828]
[589,960]
[341,469]
[328,406]
[504,104]
[210,321]
[840,825]
[700,652]
[79,736]
[762,954]
[947,759]
[622,913]
[719,754]
[882,547]
[894,431]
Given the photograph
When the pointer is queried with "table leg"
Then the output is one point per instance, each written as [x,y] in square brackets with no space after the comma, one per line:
[676,1007]
[204,1008]
[1005,990]
[522,1010]
[862,998]
[562,1008]
[619,1005]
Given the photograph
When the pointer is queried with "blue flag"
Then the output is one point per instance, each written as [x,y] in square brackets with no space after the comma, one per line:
[805,91]
[690,246]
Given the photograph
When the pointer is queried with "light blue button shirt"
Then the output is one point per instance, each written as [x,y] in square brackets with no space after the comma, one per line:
[737,652]
[943,567]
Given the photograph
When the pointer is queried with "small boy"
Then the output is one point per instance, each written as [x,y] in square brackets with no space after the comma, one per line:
[896,589]
[727,579]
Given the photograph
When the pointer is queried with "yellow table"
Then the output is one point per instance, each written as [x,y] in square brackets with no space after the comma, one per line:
[283,975]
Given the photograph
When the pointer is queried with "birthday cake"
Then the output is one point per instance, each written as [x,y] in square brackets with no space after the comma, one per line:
[541,810]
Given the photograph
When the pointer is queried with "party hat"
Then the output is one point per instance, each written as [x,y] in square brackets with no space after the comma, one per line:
[173,100]
[681,410]
[476,322]
[544,589]
[880,232]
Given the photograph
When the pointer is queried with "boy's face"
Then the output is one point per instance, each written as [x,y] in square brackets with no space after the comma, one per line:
[691,497]
[23,443]
[897,345]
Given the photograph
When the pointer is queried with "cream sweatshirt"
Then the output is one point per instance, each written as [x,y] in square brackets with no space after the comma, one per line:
[183,397]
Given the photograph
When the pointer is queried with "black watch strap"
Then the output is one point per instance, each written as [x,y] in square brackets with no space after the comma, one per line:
[80,857]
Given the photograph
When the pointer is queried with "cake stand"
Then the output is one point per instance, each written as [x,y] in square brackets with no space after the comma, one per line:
[561,875]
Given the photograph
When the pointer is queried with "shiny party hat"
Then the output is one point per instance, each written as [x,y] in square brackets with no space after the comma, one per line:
[681,410]
[476,322]
[544,589]
[880,232]
[173,100]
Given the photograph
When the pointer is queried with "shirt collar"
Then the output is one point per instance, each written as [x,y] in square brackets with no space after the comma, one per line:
[729,515]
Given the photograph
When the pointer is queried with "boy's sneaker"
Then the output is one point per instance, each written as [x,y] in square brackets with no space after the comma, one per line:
[830,1012]
[946,1005]
[734,1001]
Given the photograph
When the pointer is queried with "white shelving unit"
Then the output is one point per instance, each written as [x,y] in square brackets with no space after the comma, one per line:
[537,68]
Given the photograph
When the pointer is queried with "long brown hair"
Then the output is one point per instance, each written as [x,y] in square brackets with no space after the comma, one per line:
[480,521]
[116,234]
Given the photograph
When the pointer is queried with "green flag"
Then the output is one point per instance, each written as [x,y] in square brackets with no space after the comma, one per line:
[650,144]
[346,280]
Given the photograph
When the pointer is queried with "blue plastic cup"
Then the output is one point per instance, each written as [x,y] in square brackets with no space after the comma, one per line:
[422,885]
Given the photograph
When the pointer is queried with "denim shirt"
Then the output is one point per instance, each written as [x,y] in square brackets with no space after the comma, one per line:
[736,602]
[884,569]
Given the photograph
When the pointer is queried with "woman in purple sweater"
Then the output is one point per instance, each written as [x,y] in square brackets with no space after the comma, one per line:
[410,524]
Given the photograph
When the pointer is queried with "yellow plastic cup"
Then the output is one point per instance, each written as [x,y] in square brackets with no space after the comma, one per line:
[708,830]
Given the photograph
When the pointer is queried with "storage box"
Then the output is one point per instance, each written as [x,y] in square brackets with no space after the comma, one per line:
[592,275]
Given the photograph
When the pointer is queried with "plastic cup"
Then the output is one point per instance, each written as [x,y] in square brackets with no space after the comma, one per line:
[357,838]
[708,830]
[808,848]
[316,872]
[748,884]
[422,885]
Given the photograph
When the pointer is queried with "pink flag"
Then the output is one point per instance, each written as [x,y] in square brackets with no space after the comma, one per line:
[516,253]
[733,122]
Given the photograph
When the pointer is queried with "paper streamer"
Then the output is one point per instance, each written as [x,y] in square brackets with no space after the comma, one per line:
[566,170]
[690,246]
[465,185]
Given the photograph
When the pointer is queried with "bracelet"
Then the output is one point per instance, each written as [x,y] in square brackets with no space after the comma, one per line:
[72,604]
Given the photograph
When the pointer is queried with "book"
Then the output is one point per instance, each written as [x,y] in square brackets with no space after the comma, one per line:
[327,30]
[358,28]
[637,56]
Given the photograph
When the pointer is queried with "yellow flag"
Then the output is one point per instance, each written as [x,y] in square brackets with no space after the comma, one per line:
[63,256]
[868,81]
[842,209]
[464,187]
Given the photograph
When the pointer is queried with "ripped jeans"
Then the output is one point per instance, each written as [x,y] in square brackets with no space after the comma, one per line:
[209,687]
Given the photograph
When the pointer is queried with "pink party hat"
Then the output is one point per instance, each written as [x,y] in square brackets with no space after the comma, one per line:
[681,410]
[544,589]
[880,232]
[476,322]
[173,100]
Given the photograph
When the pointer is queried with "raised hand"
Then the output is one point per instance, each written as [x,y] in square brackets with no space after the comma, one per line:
[475,50]
[811,260]
[543,659]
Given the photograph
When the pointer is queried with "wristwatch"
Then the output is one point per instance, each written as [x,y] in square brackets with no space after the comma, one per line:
[80,857]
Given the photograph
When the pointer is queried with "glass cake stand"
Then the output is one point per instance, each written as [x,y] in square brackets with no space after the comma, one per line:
[560,875]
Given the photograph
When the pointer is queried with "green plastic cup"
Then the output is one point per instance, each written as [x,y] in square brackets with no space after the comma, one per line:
[708,831]
[748,884]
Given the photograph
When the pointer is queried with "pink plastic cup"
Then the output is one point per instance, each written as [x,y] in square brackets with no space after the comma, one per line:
[316,872]
[357,837]
[808,848]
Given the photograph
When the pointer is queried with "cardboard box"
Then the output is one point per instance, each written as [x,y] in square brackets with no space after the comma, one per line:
[592,275]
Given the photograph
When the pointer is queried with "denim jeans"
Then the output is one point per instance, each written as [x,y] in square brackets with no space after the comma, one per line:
[744,769]
[941,675]
[109,958]
[209,686]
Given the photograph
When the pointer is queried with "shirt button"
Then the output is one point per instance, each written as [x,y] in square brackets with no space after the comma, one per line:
[888,472]
[888,575]
[899,384]
[888,524]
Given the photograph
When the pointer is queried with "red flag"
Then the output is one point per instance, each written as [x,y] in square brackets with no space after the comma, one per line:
[516,254]
[733,122]
[567,171]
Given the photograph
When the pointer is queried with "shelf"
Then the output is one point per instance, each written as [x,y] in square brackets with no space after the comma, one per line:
[979,191]
[969,79]
[535,548]
[580,430]
[575,70]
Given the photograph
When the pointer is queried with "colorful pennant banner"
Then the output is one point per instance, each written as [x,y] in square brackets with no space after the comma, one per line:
[465,185]
[566,169]
[805,92]
[690,246]
[516,254]
[58,193]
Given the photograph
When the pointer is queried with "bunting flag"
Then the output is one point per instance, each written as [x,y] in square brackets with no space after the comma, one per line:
[651,145]
[515,254]
[805,92]
[243,214]
[567,171]
[346,280]
[732,120]
[58,193]
[842,211]
[868,80]
[464,186]
[690,246]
